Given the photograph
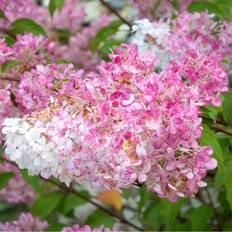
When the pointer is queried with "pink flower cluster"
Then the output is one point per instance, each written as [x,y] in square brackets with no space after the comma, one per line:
[199,31]
[25,222]
[71,18]
[15,9]
[203,73]
[38,85]
[86,228]
[5,105]
[175,40]
[16,190]
[121,125]
[27,51]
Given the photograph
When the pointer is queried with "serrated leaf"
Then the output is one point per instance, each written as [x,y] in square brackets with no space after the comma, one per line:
[45,205]
[205,5]
[72,201]
[5,177]
[23,25]
[111,197]
[9,64]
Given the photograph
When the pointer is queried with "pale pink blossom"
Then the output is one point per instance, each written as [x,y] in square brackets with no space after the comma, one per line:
[25,222]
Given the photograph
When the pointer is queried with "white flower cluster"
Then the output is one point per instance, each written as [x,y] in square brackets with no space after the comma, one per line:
[152,37]
[28,146]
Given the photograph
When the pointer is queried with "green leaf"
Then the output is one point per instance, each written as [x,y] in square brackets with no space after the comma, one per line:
[224,168]
[205,5]
[45,205]
[32,180]
[54,4]
[200,217]
[5,177]
[104,34]
[169,211]
[226,107]
[9,64]
[64,34]
[2,15]
[99,218]
[208,138]
[55,227]
[9,40]
[150,218]
[52,7]
[23,25]
[70,202]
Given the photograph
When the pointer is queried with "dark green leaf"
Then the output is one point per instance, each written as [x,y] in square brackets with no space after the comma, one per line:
[23,25]
[64,34]
[5,177]
[9,64]
[227,106]
[45,205]
[9,40]
[205,5]
[2,15]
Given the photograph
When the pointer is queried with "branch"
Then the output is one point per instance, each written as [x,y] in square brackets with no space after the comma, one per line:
[7,32]
[107,5]
[9,78]
[220,129]
[87,199]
